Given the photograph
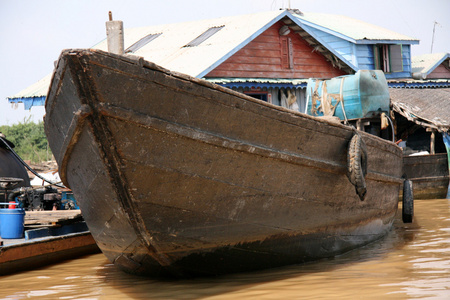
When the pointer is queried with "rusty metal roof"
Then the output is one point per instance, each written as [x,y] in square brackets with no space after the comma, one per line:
[426,107]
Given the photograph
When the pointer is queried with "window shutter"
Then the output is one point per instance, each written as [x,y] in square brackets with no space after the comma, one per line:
[287,55]
[284,53]
[291,54]
[376,57]
[395,53]
[386,63]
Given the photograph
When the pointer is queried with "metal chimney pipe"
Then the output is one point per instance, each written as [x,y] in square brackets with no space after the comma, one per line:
[114,35]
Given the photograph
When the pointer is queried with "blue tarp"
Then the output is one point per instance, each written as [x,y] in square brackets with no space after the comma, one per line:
[446,138]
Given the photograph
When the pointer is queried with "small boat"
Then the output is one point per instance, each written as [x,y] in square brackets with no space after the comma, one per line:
[177,176]
[49,237]
[429,175]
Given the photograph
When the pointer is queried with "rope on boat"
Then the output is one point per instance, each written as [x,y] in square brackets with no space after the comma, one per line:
[326,98]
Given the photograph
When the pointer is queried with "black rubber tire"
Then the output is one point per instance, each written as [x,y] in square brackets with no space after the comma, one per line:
[408,202]
[357,165]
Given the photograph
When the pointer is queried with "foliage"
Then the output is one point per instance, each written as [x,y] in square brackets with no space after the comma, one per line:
[29,140]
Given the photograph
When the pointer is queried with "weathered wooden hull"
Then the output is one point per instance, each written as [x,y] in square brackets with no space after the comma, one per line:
[429,174]
[178,176]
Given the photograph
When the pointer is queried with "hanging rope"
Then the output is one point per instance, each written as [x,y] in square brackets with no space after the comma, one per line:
[325,100]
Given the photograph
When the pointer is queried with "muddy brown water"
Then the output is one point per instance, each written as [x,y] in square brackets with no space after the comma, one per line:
[412,261]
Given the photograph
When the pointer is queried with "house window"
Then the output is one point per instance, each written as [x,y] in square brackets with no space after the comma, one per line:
[388,58]
[204,36]
[142,42]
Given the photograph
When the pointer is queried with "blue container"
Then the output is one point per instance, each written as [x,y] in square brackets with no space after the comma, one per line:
[365,95]
[11,223]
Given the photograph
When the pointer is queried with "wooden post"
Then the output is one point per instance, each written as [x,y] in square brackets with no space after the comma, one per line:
[359,124]
[432,140]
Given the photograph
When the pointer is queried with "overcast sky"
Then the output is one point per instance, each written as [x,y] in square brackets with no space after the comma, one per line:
[33,33]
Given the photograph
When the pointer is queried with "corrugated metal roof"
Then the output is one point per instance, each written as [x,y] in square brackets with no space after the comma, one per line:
[355,30]
[426,107]
[36,90]
[259,82]
[426,63]
[169,49]
[419,84]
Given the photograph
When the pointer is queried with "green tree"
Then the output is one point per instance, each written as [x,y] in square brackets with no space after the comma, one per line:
[29,140]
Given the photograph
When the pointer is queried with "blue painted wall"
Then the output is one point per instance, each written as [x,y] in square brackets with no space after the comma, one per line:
[364,54]
[345,48]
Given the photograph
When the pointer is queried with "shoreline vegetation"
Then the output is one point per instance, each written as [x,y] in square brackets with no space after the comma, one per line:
[29,140]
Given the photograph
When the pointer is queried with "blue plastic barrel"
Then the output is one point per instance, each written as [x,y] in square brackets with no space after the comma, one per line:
[11,223]
[365,95]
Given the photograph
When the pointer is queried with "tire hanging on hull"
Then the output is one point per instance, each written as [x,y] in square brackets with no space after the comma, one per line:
[357,165]
[408,202]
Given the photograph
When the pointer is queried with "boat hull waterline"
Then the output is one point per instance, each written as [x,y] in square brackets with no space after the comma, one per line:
[177,176]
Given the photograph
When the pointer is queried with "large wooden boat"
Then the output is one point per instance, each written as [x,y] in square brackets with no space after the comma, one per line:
[429,175]
[178,176]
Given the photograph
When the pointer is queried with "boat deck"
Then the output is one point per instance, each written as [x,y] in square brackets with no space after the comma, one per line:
[49,237]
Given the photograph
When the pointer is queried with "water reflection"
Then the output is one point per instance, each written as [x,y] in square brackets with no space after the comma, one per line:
[413,261]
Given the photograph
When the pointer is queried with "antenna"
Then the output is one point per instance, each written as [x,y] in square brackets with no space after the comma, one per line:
[432,39]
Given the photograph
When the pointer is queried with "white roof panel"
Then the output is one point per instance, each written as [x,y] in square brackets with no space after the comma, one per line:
[352,28]
[426,63]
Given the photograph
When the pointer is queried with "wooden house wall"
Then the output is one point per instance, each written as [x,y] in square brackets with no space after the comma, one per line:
[341,46]
[262,58]
[364,53]
[440,72]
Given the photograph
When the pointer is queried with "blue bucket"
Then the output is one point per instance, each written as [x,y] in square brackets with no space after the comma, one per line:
[11,223]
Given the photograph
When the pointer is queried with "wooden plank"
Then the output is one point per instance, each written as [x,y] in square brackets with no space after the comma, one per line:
[47,217]
[251,60]
[268,74]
